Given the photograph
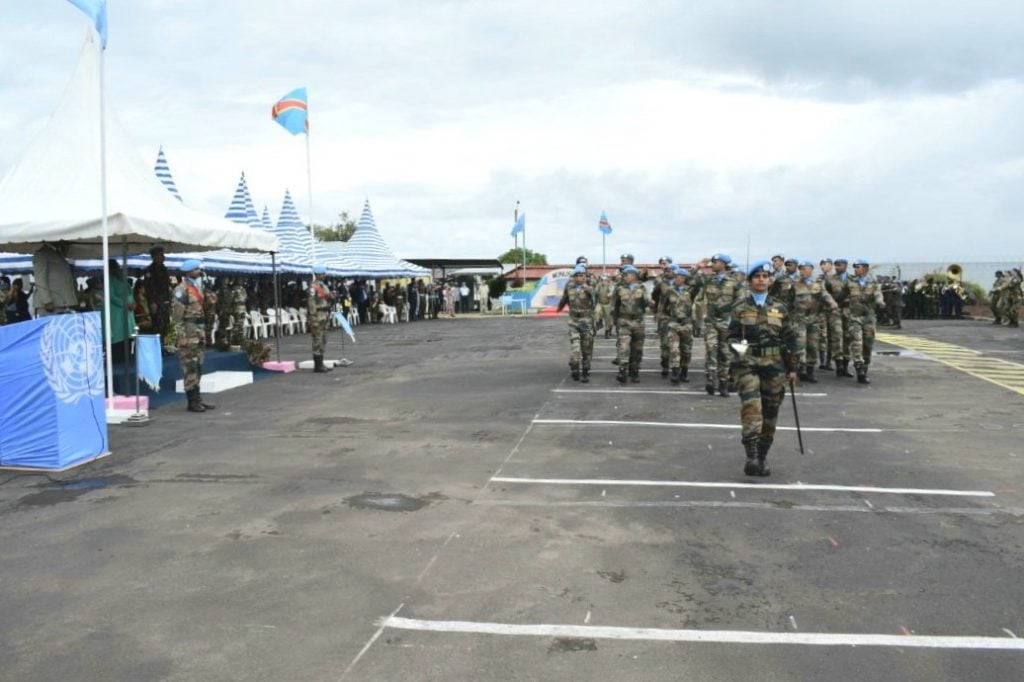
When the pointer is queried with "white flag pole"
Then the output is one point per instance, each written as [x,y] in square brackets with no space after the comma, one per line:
[106,239]
[309,184]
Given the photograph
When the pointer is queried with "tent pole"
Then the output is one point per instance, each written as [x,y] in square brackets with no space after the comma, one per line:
[309,187]
[106,240]
[277,304]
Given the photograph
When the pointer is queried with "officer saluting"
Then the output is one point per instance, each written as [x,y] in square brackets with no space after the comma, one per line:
[765,353]
[187,311]
[318,307]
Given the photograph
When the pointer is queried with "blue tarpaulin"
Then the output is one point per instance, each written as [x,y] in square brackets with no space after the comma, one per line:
[51,377]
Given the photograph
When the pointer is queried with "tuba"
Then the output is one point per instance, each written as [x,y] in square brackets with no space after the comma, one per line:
[955,272]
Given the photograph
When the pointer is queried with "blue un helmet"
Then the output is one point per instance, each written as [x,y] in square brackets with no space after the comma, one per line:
[319,269]
[760,266]
[630,270]
[724,257]
[580,269]
[192,264]
[861,261]
[680,271]
[807,264]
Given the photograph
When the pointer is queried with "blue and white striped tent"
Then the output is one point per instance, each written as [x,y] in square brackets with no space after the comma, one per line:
[292,234]
[163,173]
[371,254]
[11,263]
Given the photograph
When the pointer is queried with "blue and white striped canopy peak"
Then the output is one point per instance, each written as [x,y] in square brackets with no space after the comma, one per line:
[237,211]
[251,216]
[368,248]
[291,233]
[163,173]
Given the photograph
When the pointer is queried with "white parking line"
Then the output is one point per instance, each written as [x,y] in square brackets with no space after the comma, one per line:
[693,425]
[608,482]
[655,391]
[716,636]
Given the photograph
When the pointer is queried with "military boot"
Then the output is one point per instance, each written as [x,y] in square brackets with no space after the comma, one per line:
[621,378]
[828,361]
[843,368]
[809,378]
[862,373]
[762,455]
[586,375]
[674,379]
[750,467]
[202,401]
[575,370]
[1013,324]
[801,371]
[318,365]
[821,360]
[664,367]
[634,374]
[723,388]
[607,333]
[711,383]
[193,401]
[683,371]
[997,321]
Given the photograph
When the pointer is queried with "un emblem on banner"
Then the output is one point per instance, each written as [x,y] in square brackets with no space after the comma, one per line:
[71,350]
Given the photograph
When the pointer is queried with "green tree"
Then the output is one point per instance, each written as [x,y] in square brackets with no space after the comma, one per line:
[516,256]
[340,231]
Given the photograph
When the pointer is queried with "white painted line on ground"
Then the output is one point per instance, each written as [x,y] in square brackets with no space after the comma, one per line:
[716,636]
[645,371]
[694,425]
[759,506]
[366,647]
[609,482]
[655,391]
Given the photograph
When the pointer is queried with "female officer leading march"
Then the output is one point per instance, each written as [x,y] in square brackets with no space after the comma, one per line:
[765,353]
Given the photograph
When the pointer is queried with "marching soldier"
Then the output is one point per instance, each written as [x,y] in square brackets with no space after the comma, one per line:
[838,322]
[318,306]
[806,303]
[661,284]
[824,323]
[859,296]
[720,291]
[629,302]
[603,309]
[765,353]
[677,309]
[581,299]
[187,311]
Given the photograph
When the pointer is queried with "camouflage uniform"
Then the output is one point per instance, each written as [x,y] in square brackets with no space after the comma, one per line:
[629,301]
[581,300]
[892,294]
[209,312]
[859,297]
[677,308]
[661,285]
[318,306]
[187,312]
[807,300]
[603,309]
[224,308]
[761,372]
[720,292]
[995,296]
[1007,297]
[838,325]
[239,297]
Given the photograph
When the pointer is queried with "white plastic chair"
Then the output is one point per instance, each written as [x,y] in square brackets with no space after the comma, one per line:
[259,325]
[390,314]
[298,319]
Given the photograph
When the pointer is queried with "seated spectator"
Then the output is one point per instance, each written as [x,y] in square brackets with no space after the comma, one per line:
[17,302]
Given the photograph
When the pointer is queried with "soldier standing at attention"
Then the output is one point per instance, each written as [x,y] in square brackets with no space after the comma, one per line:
[765,362]
[187,312]
[677,307]
[807,301]
[825,320]
[239,297]
[720,291]
[318,306]
[603,310]
[158,292]
[581,299]
[860,295]
[994,298]
[629,302]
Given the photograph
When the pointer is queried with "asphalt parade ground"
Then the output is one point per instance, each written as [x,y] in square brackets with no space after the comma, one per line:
[453,506]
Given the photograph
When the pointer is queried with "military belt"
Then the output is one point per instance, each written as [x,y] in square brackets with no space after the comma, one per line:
[766,351]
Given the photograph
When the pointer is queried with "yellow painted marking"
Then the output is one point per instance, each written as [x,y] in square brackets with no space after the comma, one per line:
[1002,373]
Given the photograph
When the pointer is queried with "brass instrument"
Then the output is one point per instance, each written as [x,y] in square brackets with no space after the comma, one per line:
[955,272]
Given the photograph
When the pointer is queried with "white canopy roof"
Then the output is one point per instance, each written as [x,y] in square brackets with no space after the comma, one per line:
[52,194]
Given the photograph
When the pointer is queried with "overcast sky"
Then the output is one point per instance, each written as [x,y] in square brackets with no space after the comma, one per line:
[885,130]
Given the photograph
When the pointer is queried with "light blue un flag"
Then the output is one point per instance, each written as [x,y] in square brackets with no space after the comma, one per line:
[520,225]
[343,323]
[150,359]
[96,10]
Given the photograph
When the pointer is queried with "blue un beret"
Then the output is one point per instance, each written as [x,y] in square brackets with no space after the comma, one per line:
[681,271]
[319,269]
[630,269]
[861,261]
[760,266]
[580,269]
[806,264]
[722,257]
[192,264]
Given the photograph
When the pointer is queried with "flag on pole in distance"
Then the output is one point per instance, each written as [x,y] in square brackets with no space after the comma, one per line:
[604,225]
[520,225]
[343,323]
[96,10]
[290,112]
